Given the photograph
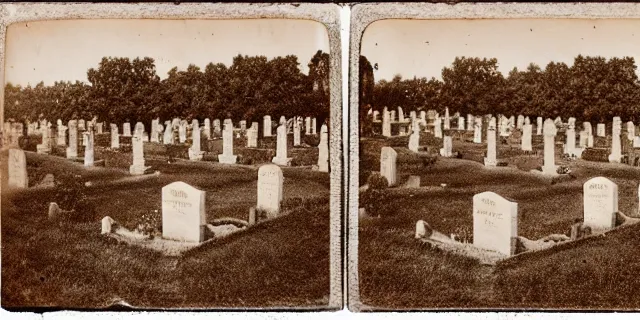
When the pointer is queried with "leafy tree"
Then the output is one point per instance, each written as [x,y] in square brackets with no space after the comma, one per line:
[123,90]
[319,98]
[473,85]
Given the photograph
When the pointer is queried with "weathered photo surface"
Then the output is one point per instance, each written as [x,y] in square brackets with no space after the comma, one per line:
[166,164]
[498,164]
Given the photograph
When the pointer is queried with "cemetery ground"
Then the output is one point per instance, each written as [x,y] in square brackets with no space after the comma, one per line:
[396,271]
[282,262]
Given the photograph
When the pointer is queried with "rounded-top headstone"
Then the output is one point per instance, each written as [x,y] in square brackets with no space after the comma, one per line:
[600,203]
[270,189]
[495,223]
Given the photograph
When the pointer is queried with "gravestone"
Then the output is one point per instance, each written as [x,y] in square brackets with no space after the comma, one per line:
[400,115]
[45,146]
[392,115]
[313,126]
[447,146]
[183,212]
[72,149]
[323,150]
[243,125]
[194,150]
[138,129]
[307,125]
[550,131]
[437,128]
[217,129]
[539,126]
[206,131]
[17,169]
[182,131]
[283,120]
[470,122]
[495,223]
[423,118]
[138,166]
[81,125]
[477,130]
[252,138]
[88,150]
[266,126]
[167,137]
[601,130]
[115,137]
[126,129]
[155,134]
[504,127]
[412,116]
[386,123]
[296,132]
[583,139]
[388,158]
[99,127]
[281,147]
[160,130]
[631,130]
[527,131]
[491,159]
[414,138]
[616,145]
[570,146]
[520,122]
[270,189]
[461,123]
[600,203]
[589,129]
[227,155]
[62,133]
[447,119]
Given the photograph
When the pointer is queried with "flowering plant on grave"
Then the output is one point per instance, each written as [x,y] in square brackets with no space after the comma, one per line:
[150,224]
[563,170]
[462,234]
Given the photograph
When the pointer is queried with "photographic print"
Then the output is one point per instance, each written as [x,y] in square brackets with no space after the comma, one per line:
[497,161]
[163,162]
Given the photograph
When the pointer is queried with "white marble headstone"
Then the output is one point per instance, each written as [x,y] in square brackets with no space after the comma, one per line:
[270,189]
[388,164]
[183,212]
[600,203]
[266,126]
[495,223]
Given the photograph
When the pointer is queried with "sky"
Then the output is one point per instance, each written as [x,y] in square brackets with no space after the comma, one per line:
[64,50]
[423,47]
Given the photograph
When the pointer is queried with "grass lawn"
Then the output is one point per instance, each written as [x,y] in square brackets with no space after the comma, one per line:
[397,272]
[278,263]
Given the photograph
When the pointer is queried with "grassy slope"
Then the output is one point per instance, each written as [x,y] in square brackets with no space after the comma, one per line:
[279,263]
[405,275]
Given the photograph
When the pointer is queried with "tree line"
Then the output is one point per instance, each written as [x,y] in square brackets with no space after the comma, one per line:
[592,89]
[123,89]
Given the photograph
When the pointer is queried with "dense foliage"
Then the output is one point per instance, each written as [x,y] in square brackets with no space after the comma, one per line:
[592,89]
[120,90]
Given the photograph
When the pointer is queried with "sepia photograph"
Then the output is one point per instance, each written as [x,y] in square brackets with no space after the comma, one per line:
[170,163]
[497,162]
